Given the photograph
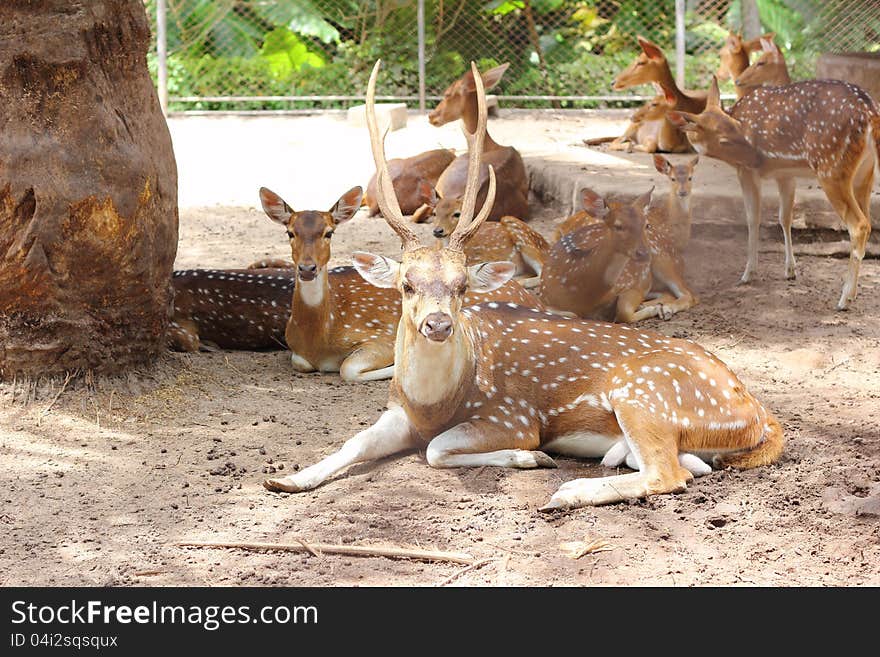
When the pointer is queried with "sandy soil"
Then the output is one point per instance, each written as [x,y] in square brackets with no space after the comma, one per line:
[101,478]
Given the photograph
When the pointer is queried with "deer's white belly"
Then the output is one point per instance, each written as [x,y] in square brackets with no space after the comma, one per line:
[582,444]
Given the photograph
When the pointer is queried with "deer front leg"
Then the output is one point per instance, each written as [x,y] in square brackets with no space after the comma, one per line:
[391,433]
[666,271]
[372,361]
[479,443]
[786,215]
[750,183]
[654,446]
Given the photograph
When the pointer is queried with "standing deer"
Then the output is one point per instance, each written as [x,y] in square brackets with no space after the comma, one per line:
[509,240]
[338,322]
[769,70]
[651,66]
[735,55]
[230,309]
[460,102]
[824,128]
[493,384]
[410,175]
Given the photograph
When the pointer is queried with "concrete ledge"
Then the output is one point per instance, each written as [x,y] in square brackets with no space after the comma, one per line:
[860,68]
[557,178]
[393,114]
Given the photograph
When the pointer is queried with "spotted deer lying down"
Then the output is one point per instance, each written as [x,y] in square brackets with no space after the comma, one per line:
[230,309]
[339,322]
[500,385]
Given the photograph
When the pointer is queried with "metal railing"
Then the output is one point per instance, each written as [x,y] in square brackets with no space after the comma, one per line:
[299,54]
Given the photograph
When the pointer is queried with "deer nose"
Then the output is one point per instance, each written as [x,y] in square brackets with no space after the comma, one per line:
[437,327]
[439,232]
[307,272]
[433,118]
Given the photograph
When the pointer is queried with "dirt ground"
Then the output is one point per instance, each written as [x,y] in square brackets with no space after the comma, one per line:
[101,478]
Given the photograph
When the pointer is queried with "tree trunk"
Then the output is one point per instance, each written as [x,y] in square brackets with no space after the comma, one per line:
[88,189]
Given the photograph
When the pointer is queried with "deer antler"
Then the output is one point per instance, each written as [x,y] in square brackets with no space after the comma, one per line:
[467,225]
[385,195]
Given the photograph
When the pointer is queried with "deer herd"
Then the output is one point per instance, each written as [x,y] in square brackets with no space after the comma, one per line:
[504,346]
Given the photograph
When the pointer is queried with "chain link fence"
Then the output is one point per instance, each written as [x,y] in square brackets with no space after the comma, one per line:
[298,54]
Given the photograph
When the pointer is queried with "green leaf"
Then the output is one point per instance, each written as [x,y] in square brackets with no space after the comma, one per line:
[286,53]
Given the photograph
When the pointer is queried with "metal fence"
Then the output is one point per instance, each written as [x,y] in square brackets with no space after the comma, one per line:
[297,54]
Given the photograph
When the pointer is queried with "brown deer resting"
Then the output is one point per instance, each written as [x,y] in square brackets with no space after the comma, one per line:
[460,102]
[651,131]
[409,176]
[823,128]
[508,240]
[230,309]
[499,383]
[651,66]
[339,322]
[626,297]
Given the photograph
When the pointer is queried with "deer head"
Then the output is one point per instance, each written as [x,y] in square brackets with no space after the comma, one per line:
[432,282]
[626,221]
[715,133]
[649,66]
[460,95]
[680,176]
[310,231]
[768,70]
[735,54]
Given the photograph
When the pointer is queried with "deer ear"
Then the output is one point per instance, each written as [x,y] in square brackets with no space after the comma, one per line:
[714,97]
[375,269]
[274,206]
[684,120]
[767,45]
[693,163]
[493,76]
[490,276]
[593,204]
[347,205]
[642,202]
[427,194]
[661,164]
[650,49]
[467,82]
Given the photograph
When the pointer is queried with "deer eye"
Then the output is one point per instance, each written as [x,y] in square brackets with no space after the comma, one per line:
[759,63]
[456,214]
[328,234]
[407,288]
[290,234]
[690,178]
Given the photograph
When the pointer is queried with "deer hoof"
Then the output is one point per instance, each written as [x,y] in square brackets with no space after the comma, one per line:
[543,460]
[284,485]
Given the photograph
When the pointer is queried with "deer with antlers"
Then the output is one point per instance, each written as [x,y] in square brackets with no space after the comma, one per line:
[230,309]
[825,129]
[460,102]
[509,239]
[339,322]
[501,385]
[735,55]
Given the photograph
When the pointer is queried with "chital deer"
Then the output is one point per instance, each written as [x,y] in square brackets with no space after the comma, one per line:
[667,233]
[769,70]
[498,384]
[509,240]
[230,309]
[460,102]
[823,128]
[410,175]
[601,268]
[650,130]
[651,66]
[735,55]
[339,322]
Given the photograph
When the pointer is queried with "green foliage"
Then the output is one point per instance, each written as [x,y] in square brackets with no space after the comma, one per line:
[286,53]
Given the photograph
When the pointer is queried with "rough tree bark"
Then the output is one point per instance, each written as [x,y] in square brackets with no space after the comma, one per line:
[88,189]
